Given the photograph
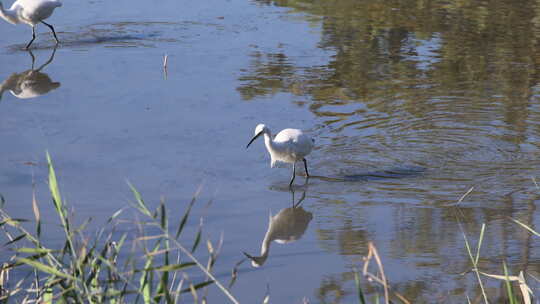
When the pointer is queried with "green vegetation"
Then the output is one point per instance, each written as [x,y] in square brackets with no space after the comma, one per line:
[524,295]
[156,267]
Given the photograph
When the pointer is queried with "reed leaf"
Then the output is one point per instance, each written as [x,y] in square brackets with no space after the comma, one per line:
[16,239]
[197,286]
[59,205]
[480,243]
[198,237]
[33,250]
[526,227]
[141,205]
[508,284]
[175,267]
[361,298]
[45,268]
[35,209]
[55,191]
[185,217]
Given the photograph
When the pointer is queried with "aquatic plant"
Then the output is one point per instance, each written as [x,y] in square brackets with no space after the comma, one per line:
[103,267]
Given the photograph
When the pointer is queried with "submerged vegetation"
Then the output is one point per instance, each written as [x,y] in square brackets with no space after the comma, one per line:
[150,265]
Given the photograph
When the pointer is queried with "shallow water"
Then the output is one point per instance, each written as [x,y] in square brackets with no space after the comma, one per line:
[411,105]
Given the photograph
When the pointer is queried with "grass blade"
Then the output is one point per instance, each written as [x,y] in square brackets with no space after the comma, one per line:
[33,250]
[525,290]
[197,286]
[35,209]
[480,243]
[526,227]
[59,205]
[45,268]
[198,237]
[474,260]
[18,238]
[361,298]
[508,284]
[141,205]
[175,267]
[186,214]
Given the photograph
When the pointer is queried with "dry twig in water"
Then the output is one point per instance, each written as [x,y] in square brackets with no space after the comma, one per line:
[372,253]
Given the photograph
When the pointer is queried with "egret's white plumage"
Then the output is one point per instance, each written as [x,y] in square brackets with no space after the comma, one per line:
[31,12]
[289,146]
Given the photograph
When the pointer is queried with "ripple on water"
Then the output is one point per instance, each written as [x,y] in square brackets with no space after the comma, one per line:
[126,34]
[455,141]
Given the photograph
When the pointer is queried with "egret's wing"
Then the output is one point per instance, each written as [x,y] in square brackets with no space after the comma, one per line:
[288,135]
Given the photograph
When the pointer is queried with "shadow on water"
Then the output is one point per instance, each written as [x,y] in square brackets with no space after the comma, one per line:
[31,83]
[118,34]
[287,226]
[392,173]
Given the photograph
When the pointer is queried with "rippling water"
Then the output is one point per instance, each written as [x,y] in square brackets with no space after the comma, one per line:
[412,104]
[443,94]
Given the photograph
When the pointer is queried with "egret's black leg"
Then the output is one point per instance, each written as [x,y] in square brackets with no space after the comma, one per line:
[293,174]
[33,37]
[52,29]
[305,166]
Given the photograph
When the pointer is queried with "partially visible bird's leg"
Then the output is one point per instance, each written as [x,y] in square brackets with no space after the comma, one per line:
[33,37]
[305,166]
[52,29]
[293,174]
[48,61]
[33,58]
[295,205]
[292,193]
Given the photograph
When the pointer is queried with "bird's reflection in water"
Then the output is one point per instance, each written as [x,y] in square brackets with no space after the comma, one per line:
[31,83]
[287,226]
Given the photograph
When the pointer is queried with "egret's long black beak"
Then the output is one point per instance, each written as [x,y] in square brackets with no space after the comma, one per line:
[253,139]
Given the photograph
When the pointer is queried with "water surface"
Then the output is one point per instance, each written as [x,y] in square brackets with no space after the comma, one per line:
[411,105]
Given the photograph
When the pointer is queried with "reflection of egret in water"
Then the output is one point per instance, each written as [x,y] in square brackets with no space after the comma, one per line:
[31,83]
[287,226]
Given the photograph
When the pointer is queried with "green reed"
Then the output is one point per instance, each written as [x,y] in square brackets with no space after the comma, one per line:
[104,268]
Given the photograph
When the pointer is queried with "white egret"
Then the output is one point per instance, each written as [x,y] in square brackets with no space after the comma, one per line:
[289,146]
[31,12]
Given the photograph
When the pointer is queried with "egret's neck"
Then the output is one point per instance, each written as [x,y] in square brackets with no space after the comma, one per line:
[268,142]
[10,15]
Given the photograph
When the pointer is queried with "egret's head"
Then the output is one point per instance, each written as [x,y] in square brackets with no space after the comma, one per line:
[260,129]
[256,261]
